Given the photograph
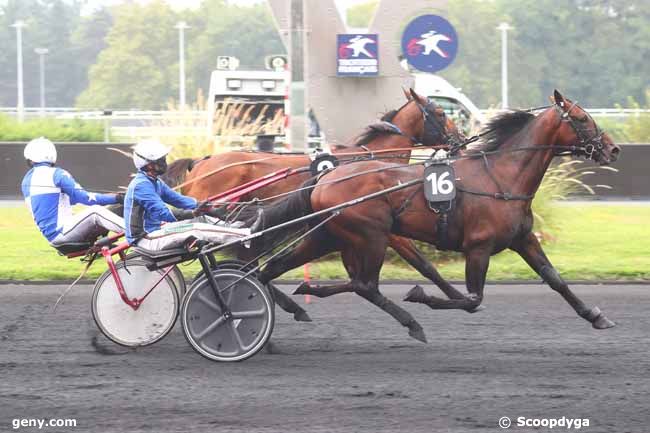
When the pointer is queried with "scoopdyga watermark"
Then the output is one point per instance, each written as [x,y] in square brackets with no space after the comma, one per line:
[562,423]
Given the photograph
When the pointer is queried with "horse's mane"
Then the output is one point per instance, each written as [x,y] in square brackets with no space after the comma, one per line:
[500,128]
[177,170]
[375,130]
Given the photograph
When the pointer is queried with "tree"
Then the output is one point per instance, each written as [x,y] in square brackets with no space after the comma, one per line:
[49,24]
[137,67]
[247,33]
[87,41]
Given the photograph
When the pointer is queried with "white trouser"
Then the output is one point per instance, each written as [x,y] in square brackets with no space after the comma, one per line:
[86,226]
[173,235]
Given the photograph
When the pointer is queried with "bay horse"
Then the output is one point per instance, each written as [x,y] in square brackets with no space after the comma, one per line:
[418,122]
[496,182]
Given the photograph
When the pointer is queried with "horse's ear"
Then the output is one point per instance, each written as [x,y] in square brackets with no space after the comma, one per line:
[407,94]
[416,97]
[559,99]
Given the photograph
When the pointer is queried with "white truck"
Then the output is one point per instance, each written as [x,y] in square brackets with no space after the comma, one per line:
[262,96]
[462,111]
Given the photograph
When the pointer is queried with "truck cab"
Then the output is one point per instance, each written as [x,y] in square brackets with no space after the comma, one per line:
[256,100]
[261,107]
[459,107]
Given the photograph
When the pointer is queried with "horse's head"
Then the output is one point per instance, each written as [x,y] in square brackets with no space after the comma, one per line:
[431,123]
[577,128]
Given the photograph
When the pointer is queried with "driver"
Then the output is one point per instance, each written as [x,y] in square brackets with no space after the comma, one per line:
[145,207]
[50,191]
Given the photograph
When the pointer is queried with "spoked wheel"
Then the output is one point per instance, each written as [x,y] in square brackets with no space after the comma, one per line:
[175,274]
[220,336]
[151,321]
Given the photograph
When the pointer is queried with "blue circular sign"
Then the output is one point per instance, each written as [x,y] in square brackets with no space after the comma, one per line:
[429,43]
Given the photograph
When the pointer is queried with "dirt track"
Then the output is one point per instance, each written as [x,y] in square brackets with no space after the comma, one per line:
[352,369]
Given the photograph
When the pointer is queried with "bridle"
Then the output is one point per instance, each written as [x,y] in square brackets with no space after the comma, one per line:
[590,147]
[431,129]
[430,120]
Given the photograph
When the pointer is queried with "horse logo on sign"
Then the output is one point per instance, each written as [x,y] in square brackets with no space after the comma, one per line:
[357,54]
[429,43]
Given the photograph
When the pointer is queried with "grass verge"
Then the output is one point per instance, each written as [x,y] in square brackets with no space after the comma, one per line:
[594,242]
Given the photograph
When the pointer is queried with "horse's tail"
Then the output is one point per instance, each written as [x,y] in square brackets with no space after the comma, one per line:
[177,171]
[295,205]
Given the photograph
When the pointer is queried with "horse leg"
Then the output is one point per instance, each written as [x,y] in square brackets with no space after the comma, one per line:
[531,251]
[477,262]
[309,249]
[408,251]
[280,298]
[371,293]
[363,270]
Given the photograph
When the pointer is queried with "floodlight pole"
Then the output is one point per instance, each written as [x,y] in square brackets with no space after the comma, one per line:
[20,103]
[297,137]
[181,26]
[504,27]
[41,54]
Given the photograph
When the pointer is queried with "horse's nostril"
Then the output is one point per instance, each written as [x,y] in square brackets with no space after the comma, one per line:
[616,150]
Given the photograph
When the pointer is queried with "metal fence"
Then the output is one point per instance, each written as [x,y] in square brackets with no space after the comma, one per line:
[132,125]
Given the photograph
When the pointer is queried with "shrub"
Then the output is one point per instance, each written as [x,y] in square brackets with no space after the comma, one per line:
[633,128]
[54,129]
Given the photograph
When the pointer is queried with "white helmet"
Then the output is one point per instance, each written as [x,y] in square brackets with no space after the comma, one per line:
[147,151]
[40,150]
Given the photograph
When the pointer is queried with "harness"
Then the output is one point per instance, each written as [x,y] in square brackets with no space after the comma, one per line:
[427,135]
[590,147]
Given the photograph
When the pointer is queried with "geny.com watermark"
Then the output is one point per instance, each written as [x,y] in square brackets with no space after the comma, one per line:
[41,423]
[564,422]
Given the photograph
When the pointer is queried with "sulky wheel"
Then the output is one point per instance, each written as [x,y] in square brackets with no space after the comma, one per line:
[145,325]
[175,274]
[221,336]
[239,265]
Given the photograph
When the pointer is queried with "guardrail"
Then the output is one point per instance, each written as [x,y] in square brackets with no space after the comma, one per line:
[71,112]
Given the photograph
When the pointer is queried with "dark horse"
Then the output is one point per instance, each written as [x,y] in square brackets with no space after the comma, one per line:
[417,122]
[496,182]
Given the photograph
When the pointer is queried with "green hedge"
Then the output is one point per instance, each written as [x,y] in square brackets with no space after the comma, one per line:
[54,129]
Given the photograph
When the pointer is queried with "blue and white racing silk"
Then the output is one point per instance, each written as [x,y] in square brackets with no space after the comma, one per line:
[50,193]
[145,208]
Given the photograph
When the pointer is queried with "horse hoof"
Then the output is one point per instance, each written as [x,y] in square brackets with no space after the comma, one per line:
[476,309]
[416,294]
[301,316]
[418,334]
[602,322]
[303,289]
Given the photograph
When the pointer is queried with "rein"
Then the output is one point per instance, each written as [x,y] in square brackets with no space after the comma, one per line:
[302,155]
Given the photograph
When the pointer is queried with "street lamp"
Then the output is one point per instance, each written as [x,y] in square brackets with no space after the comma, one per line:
[504,27]
[181,26]
[41,54]
[20,103]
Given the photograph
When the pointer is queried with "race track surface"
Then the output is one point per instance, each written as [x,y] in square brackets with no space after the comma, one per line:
[353,369]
